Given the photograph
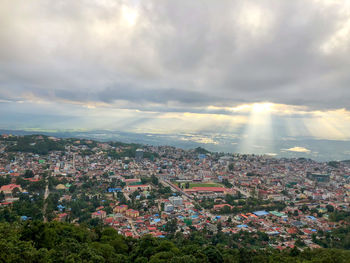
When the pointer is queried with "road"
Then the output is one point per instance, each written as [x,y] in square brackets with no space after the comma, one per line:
[133,229]
[126,196]
[175,189]
[241,191]
[46,195]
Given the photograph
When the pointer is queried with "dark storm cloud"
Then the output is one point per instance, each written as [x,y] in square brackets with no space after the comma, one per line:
[189,53]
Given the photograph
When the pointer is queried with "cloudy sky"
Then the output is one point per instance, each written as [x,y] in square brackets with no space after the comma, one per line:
[247,68]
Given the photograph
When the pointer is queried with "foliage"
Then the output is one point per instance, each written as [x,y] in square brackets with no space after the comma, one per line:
[35,241]
[35,144]
[201,150]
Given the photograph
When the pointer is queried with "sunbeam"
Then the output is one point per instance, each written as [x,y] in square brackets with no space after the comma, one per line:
[258,135]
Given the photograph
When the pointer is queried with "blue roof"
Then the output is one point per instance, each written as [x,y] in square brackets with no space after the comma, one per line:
[114,189]
[241,226]
[156,220]
[260,213]
[311,217]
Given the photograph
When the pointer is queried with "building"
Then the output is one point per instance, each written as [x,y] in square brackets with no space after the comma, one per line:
[209,192]
[176,200]
[120,209]
[8,189]
[132,213]
[99,214]
[168,208]
[141,187]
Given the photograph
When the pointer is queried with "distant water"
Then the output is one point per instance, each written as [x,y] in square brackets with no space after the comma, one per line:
[320,150]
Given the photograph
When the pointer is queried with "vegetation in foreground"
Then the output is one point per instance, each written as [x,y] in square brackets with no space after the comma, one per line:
[35,241]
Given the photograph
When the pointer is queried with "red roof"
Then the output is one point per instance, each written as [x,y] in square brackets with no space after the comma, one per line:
[128,234]
[109,220]
[5,203]
[9,187]
[292,231]
[100,212]
[132,211]
[62,215]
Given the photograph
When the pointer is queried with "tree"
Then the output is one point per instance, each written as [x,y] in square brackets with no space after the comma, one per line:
[226,183]
[299,243]
[154,180]
[28,174]
[330,208]
[213,254]
[2,196]
[171,226]
[4,180]
[231,167]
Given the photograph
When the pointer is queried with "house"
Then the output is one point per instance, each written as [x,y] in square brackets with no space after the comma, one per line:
[220,206]
[99,214]
[8,189]
[120,209]
[132,213]
[141,187]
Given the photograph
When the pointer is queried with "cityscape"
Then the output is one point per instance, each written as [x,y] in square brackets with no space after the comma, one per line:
[174,131]
[166,191]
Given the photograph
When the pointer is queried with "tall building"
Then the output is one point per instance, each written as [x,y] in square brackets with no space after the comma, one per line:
[175,200]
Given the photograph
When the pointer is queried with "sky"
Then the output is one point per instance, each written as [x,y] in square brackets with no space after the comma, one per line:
[254,70]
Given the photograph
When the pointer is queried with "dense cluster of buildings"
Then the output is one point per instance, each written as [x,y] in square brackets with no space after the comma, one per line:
[138,195]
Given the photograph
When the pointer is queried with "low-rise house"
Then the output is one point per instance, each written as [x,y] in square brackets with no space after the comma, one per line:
[132,213]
